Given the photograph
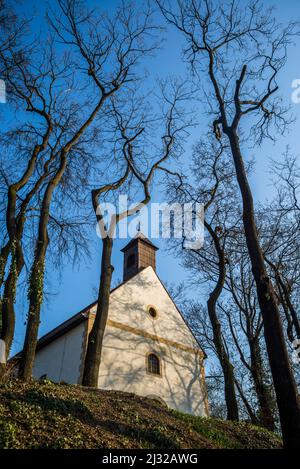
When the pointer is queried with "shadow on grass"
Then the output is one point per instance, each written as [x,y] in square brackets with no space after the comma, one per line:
[63,407]
[147,438]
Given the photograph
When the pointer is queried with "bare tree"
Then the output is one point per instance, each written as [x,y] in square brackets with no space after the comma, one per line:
[12,27]
[245,49]
[29,90]
[244,318]
[213,187]
[281,239]
[137,153]
[12,30]
[32,150]
[107,50]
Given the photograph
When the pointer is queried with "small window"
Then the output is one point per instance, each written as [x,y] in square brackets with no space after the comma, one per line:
[153,364]
[130,261]
[152,311]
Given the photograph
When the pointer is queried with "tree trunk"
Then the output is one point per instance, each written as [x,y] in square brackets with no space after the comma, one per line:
[286,300]
[17,264]
[249,410]
[227,368]
[266,417]
[8,300]
[229,381]
[37,280]
[284,383]
[37,271]
[15,228]
[13,247]
[93,355]
[33,321]
[5,251]
[8,320]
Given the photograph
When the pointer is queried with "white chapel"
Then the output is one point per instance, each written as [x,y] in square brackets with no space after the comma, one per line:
[148,348]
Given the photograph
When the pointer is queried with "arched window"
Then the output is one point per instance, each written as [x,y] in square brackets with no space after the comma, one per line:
[130,261]
[153,364]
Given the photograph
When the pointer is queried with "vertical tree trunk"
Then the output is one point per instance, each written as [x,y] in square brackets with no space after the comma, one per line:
[8,320]
[266,417]
[36,282]
[17,264]
[7,307]
[93,354]
[227,368]
[13,247]
[33,320]
[284,383]
[5,251]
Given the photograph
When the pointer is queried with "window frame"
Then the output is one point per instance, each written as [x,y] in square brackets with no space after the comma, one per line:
[150,373]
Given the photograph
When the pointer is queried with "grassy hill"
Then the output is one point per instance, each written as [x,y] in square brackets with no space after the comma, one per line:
[47,415]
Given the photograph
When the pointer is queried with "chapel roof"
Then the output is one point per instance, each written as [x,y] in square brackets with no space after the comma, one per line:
[83,315]
[139,237]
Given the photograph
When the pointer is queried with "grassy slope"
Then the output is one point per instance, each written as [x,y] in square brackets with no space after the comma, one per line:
[47,415]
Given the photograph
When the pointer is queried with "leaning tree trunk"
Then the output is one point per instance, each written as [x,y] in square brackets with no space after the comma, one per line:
[284,383]
[94,349]
[248,407]
[227,368]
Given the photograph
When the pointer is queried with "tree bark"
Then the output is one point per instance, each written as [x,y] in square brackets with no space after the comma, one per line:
[33,321]
[7,307]
[266,417]
[94,349]
[14,248]
[284,383]
[5,251]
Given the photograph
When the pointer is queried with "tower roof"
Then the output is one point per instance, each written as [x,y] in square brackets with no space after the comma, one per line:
[139,237]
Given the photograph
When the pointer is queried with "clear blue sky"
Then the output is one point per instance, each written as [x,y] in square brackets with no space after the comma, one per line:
[76,287]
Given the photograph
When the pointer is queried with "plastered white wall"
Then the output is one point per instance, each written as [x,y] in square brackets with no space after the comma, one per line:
[60,359]
[123,368]
[128,305]
[124,353]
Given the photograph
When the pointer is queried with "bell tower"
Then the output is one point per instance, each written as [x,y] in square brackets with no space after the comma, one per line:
[139,253]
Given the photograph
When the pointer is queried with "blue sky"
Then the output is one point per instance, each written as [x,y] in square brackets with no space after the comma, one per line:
[76,287]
